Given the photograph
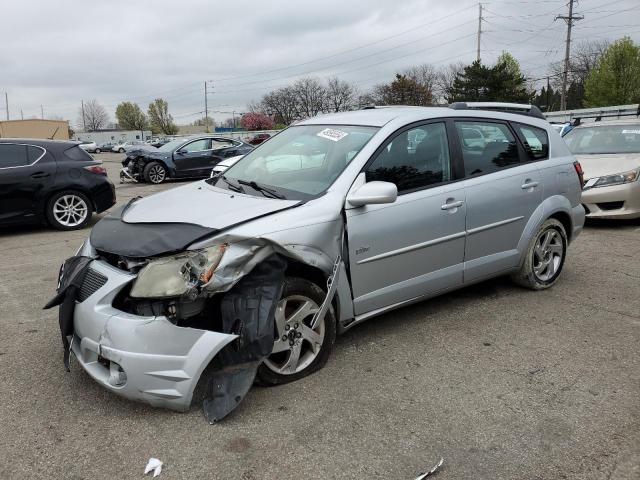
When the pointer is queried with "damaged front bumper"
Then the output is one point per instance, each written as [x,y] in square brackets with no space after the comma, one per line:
[147,359]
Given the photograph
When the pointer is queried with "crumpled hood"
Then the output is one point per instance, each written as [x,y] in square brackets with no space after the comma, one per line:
[201,204]
[598,165]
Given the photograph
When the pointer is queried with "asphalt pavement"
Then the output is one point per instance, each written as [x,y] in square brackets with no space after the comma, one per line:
[501,382]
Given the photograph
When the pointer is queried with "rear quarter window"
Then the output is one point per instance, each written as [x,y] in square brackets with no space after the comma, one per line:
[535,141]
[77,154]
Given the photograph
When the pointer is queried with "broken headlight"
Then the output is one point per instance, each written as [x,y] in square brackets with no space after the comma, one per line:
[181,274]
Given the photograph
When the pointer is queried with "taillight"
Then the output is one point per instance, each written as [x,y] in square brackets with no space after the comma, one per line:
[99,169]
[580,172]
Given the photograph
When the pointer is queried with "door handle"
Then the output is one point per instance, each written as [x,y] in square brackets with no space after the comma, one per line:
[452,205]
[529,184]
[39,175]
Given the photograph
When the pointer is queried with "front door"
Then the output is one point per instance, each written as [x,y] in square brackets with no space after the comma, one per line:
[503,190]
[25,172]
[414,246]
[192,159]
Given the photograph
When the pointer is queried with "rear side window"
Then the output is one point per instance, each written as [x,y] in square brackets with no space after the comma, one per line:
[78,154]
[486,147]
[12,155]
[414,159]
[535,141]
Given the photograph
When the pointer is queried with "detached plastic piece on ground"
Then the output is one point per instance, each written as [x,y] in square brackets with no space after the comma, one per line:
[430,472]
[248,310]
[154,466]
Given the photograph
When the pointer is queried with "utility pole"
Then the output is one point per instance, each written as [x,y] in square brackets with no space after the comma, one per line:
[548,88]
[6,103]
[84,121]
[41,112]
[206,109]
[570,19]
[479,30]
[21,115]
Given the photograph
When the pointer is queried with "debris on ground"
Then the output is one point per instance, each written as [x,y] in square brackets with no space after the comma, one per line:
[430,472]
[154,466]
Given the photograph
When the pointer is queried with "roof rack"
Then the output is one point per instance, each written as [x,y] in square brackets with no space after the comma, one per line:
[517,108]
[599,116]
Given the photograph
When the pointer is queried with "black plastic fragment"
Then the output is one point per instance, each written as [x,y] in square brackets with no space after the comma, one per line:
[247,310]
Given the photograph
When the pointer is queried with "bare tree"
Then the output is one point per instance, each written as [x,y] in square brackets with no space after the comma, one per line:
[444,81]
[281,103]
[425,75]
[340,95]
[93,116]
[311,97]
[160,119]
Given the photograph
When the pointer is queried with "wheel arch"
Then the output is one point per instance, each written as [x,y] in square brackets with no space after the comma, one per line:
[62,188]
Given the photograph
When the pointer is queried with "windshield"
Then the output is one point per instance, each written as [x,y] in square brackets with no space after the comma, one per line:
[301,161]
[604,139]
[172,145]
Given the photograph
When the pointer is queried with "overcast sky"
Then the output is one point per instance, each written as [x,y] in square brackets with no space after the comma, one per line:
[55,53]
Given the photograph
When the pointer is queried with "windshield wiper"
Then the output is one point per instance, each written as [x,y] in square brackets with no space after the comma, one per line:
[232,186]
[261,189]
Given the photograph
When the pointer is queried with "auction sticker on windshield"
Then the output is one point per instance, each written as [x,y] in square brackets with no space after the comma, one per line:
[332,134]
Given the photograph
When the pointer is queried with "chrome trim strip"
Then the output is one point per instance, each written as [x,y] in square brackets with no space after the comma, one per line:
[412,247]
[494,225]
[44,152]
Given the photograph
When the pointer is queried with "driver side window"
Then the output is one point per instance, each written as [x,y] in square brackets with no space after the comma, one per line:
[414,159]
[197,146]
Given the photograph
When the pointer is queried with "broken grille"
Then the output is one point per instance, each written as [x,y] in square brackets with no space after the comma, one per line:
[92,282]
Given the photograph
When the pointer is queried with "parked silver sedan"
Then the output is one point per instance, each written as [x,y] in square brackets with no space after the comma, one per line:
[195,292]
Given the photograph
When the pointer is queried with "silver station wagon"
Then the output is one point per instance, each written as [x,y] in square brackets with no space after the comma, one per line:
[195,293]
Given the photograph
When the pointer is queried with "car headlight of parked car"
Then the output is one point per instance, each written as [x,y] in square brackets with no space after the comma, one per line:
[617,179]
[181,274]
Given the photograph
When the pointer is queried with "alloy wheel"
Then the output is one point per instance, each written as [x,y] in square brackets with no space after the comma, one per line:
[548,254]
[297,345]
[70,210]
[157,174]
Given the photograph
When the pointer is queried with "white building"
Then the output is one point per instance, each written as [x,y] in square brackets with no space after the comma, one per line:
[104,136]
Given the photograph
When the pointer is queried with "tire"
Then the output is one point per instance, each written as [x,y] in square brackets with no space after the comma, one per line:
[98,150]
[543,264]
[299,293]
[69,210]
[154,172]
[122,150]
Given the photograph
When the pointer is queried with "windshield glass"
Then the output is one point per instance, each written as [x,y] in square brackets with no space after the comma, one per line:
[604,139]
[172,145]
[301,161]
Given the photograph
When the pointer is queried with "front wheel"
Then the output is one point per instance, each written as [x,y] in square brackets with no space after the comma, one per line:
[545,257]
[121,150]
[98,150]
[154,172]
[298,349]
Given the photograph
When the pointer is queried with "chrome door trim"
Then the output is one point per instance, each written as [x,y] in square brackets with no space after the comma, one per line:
[494,225]
[410,248]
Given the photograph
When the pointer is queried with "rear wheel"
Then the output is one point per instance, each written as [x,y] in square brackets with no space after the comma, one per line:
[69,210]
[544,258]
[154,172]
[98,150]
[298,349]
[121,150]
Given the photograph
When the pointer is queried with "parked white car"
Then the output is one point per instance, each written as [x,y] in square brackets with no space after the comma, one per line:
[88,146]
[223,165]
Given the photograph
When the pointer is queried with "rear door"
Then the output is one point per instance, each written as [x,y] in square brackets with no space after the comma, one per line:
[414,246]
[503,189]
[26,172]
[192,159]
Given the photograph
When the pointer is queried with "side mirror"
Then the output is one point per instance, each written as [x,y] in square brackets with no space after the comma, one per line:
[373,193]
[181,152]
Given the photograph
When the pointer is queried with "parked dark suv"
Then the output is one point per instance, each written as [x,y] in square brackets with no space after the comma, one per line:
[51,181]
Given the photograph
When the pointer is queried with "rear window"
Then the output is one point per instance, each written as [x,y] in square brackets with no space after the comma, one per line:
[76,153]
